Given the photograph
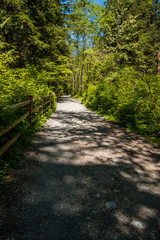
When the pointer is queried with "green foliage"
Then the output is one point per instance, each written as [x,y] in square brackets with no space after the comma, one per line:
[12,157]
[19,83]
[16,85]
[33,37]
[130,29]
[33,62]
[132,101]
[33,30]
[117,73]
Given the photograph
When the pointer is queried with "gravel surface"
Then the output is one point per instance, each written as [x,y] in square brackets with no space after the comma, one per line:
[92,180]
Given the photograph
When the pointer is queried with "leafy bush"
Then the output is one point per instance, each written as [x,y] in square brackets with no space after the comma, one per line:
[132,99]
[16,85]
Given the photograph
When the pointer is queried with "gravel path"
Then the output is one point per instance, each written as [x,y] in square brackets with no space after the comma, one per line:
[95,180]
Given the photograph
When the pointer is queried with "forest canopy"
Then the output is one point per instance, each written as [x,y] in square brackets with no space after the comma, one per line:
[114,60]
[34,50]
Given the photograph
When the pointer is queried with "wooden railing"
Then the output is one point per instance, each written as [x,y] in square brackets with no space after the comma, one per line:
[42,105]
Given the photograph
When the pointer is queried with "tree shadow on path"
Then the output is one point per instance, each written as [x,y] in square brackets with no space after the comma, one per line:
[86,162]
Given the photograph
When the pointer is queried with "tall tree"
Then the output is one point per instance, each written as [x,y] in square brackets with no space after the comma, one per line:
[32,29]
[130,29]
[82,22]
[34,32]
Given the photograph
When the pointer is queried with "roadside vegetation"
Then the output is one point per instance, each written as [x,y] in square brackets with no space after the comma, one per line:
[116,61]
[33,62]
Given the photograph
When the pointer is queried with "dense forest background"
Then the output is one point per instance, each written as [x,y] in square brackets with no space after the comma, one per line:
[106,54]
[114,60]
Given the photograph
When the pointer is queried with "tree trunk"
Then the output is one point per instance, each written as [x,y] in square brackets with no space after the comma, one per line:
[159,62]
[82,68]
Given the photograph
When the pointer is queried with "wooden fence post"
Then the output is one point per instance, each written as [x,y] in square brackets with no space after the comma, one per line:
[158,62]
[54,96]
[41,105]
[31,114]
[30,110]
[50,98]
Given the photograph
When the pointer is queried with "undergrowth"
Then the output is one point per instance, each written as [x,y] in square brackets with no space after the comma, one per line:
[16,85]
[11,159]
[131,99]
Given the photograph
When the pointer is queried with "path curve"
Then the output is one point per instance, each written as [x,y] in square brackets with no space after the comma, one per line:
[86,162]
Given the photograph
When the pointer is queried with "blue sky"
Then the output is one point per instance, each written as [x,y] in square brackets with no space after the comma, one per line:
[100,1]
[97,1]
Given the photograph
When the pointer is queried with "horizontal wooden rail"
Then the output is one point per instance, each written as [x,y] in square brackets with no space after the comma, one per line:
[47,108]
[47,96]
[37,99]
[9,144]
[36,109]
[35,118]
[18,105]
[39,109]
[14,124]
[46,103]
